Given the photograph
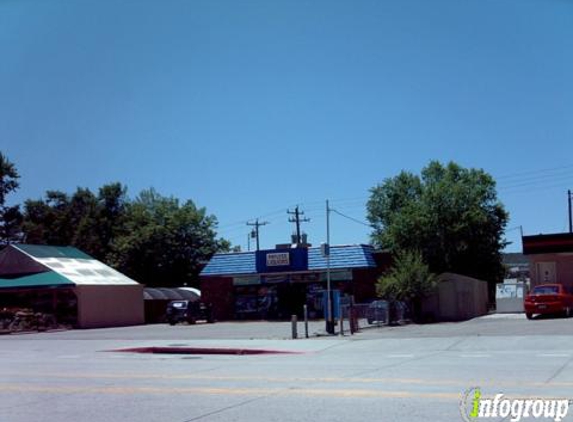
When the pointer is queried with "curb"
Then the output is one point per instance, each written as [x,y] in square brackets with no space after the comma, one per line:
[203,351]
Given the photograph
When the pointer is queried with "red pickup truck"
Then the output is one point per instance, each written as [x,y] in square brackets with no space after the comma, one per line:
[548,299]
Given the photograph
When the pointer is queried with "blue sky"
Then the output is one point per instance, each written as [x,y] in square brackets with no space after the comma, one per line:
[252,107]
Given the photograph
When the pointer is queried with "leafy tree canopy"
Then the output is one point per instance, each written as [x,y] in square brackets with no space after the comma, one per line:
[449,213]
[8,178]
[153,239]
[83,220]
[10,216]
[409,280]
[166,243]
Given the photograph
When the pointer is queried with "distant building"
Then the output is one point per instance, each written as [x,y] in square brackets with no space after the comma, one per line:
[517,266]
[66,282]
[278,283]
[551,257]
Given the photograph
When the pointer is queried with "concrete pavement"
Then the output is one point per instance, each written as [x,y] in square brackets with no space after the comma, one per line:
[411,373]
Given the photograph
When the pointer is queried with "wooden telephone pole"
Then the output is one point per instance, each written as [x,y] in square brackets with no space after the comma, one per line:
[256,224]
[297,220]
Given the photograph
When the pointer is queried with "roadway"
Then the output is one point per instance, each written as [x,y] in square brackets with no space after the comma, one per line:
[409,373]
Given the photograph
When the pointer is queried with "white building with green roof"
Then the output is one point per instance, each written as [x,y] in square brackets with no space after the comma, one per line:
[34,275]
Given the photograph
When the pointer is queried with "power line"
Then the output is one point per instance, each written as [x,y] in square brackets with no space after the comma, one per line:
[530,189]
[272,213]
[537,180]
[245,220]
[532,172]
[351,218]
[512,183]
[230,228]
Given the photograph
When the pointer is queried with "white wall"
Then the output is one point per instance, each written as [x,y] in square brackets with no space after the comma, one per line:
[110,306]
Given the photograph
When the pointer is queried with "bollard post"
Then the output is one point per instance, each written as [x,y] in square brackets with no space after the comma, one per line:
[341,322]
[388,314]
[353,321]
[306,321]
[293,321]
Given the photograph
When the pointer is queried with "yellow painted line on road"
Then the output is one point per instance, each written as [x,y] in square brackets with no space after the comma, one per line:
[306,392]
[247,378]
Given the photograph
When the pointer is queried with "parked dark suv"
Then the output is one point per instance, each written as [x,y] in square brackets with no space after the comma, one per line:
[189,311]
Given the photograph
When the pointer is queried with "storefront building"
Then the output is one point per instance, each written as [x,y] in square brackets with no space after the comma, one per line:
[551,258]
[277,283]
[77,289]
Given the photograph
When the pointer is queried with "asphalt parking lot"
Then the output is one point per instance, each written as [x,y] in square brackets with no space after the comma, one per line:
[406,373]
[490,325]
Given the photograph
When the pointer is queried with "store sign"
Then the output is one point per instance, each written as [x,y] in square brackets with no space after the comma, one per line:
[275,279]
[246,281]
[281,259]
[344,275]
[305,278]
[278,260]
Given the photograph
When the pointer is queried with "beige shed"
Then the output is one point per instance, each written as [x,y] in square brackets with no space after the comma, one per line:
[457,298]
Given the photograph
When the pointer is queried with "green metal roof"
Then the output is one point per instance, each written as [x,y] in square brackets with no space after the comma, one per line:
[68,265]
[45,279]
[43,251]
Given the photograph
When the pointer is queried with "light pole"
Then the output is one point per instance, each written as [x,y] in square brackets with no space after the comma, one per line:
[329,310]
[569,196]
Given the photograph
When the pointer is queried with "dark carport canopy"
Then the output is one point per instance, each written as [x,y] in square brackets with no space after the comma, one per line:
[163,293]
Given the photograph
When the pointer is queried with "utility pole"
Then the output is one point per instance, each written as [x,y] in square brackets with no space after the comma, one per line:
[329,310]
[297,219]
[569,195]
[256,224]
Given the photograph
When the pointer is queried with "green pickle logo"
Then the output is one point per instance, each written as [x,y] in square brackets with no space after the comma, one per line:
[474,407]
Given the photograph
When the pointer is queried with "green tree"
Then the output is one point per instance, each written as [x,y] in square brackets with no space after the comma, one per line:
[449,213]
[83,220]
[155,240]
[166,243]
[408,280]
[112,208]
[10,216]
[56,219]
[103,220]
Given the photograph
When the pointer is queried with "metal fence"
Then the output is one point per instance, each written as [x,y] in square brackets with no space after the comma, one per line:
[357,317]
[376,314]
[363,315]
